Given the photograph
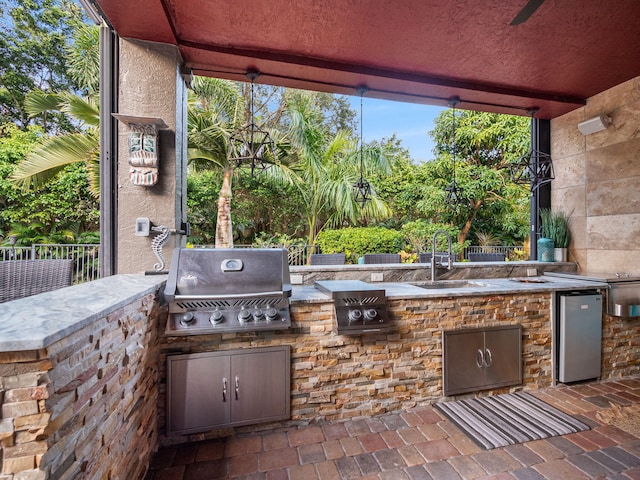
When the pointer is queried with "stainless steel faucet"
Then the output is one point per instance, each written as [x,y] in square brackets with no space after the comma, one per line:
[433,253]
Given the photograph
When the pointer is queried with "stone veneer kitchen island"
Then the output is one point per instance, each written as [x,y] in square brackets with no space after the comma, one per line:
[82,370]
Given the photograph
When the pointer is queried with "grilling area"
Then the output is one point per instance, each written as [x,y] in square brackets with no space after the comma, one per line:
[117,370]
[231,364]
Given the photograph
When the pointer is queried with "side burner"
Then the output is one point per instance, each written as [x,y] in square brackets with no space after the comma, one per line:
[359,308]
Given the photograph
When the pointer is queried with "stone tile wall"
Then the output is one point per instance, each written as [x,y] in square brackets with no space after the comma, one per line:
[86,407]
[335,376]
[597,178]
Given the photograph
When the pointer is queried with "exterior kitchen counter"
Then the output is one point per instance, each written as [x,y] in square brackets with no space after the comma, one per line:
[448,288]
[38,321]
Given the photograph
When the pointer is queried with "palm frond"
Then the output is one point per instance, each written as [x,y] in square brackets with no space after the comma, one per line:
[52,155]
[37,102]
[83,109]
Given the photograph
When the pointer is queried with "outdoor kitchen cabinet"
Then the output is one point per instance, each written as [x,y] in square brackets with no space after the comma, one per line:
[237,387]
[481,358]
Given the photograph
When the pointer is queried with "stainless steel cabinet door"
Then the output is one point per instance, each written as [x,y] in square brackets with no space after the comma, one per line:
[478,359]
[260,384]
[197,392]
[502,356]
[463,369]
[237,387]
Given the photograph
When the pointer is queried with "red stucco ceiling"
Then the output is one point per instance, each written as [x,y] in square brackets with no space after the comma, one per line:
[423,51]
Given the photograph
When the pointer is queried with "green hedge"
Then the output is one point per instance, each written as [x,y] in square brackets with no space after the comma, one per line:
[355,242]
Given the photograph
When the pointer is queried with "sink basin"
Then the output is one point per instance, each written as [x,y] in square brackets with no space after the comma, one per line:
[441,284]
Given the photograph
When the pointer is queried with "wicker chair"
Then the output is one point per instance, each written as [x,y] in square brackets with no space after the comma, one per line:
[23,278]
[371,258]
[441,257]
[487,257]
[328,259]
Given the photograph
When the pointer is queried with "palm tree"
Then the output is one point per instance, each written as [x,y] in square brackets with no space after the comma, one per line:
[39,166]
[327,167]
[217,108]
[55,153]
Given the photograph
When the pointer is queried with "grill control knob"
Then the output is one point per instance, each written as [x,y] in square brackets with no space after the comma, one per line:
[244,315]
[216,317]
[370,314]
[271,314]
[187,319]
[355,316]
[258,315]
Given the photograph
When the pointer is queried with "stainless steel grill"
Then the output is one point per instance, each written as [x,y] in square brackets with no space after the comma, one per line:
[213,290]
[359,307]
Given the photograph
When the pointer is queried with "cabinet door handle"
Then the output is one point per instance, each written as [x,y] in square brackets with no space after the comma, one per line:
[237,387]
[224,389]
[480,359]
[488,358]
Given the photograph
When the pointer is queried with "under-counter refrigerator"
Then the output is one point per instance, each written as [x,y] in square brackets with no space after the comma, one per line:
[580,336]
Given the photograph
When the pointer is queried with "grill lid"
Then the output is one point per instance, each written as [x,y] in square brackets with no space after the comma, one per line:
[207,273]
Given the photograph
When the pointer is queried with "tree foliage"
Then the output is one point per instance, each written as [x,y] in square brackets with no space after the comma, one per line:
[485,145]
[60,211]
[34,35]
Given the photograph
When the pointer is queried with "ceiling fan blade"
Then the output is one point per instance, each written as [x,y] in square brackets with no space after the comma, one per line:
[528,10]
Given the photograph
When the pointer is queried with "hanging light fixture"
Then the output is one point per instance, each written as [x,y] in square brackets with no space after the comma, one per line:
[454,193]
[535,168]
[361,189]
[251,145]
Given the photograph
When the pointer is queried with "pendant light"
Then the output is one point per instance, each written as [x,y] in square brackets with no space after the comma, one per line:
[361,189]
[251,145]
[535,168]
[454,193]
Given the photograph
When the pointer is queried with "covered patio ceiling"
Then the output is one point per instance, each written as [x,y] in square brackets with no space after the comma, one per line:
[421,51]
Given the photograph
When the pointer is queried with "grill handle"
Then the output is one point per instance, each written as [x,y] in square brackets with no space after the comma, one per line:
[230,296]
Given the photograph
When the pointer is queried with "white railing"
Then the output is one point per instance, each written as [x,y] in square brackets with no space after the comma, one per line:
[86,265]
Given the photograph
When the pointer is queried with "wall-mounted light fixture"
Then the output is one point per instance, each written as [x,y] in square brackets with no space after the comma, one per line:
[143,148]
[595,124]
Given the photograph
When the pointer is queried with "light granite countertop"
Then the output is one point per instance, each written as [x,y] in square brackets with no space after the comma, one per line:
[457,288]
[36,322]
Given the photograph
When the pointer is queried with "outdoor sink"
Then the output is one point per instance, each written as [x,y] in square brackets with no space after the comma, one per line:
[447,284]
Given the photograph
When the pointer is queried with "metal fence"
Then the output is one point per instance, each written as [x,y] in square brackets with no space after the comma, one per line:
[86,265]
[511,252]
[298,254]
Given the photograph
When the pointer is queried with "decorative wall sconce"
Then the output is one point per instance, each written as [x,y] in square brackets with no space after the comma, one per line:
[143,148]
[595,124]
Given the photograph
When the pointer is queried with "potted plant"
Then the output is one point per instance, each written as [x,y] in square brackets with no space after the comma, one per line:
[555,227]
[561,235]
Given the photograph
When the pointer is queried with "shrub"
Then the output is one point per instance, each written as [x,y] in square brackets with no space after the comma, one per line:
[355,242]
[419,234]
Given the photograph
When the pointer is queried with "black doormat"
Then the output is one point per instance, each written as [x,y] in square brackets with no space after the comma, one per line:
[507,419]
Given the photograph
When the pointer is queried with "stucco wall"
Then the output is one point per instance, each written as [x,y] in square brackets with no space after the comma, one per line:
[150,86]
[597,180]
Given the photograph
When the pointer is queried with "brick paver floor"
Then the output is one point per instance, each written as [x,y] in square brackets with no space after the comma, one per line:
[420,444]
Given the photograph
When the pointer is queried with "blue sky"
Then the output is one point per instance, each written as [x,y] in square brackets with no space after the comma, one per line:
[411,122]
